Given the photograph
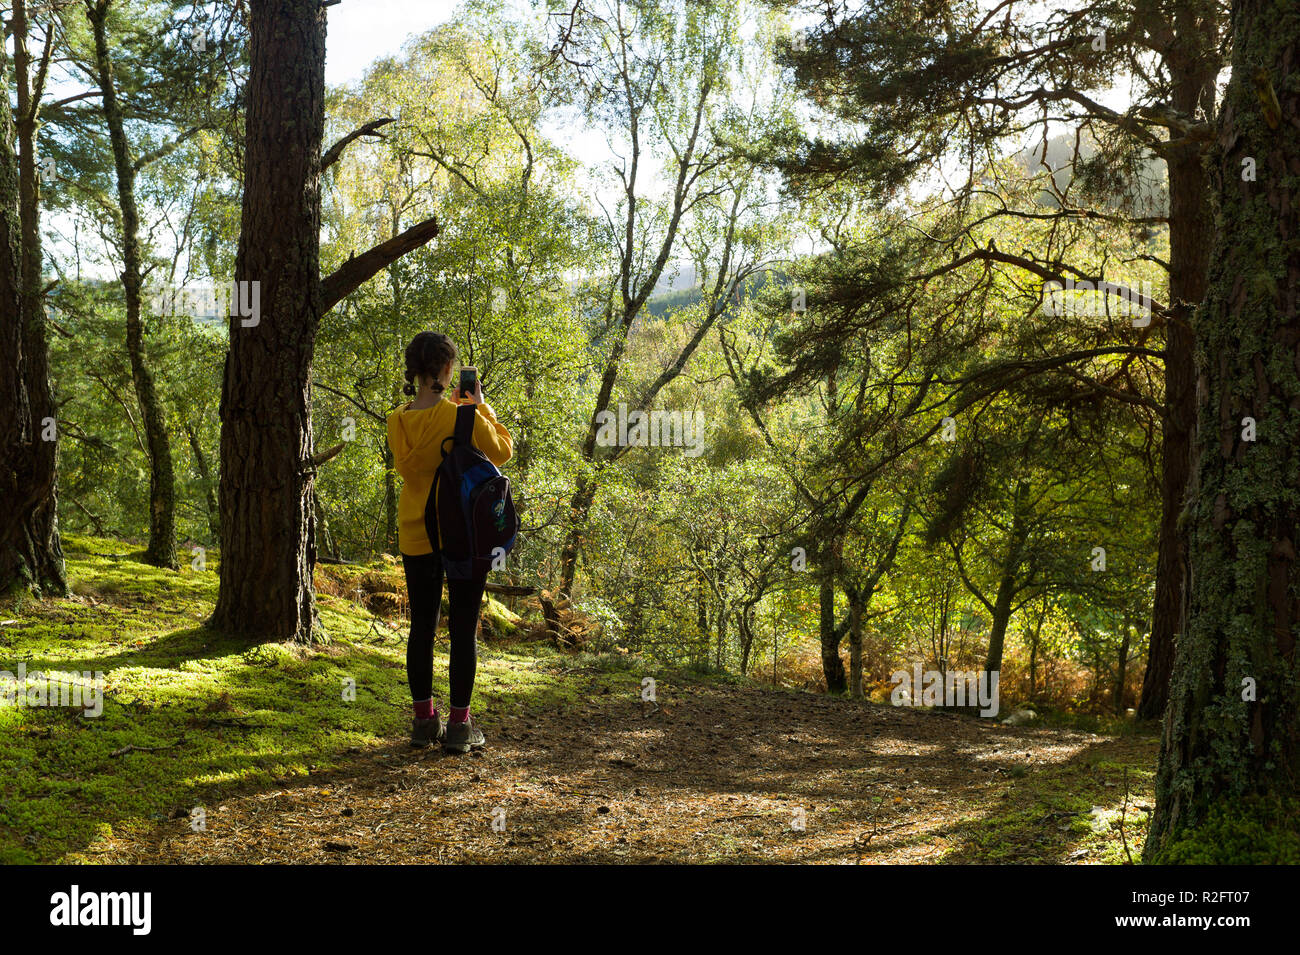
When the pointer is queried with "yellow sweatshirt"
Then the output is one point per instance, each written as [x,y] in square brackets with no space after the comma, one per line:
[415,437]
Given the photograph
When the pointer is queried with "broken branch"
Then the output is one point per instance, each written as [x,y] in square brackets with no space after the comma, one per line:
[369,129]
[348,276]
[319,459]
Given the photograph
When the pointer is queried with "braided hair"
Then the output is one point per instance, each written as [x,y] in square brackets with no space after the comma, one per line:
[427,355]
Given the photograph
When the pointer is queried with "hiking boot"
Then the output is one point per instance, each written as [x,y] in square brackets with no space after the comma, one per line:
[426,732]
[462,737]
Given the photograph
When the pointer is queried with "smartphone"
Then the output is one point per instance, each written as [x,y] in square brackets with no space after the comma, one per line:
[468,381]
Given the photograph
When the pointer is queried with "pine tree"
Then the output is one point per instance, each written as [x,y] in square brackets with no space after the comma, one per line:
[268,460]
[1231,744]
[31,555]
[926,79]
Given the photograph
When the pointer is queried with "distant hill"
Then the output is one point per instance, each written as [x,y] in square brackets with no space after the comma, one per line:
[1144,186]
[677,296]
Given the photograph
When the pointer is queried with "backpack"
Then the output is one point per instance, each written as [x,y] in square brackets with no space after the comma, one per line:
[470,503]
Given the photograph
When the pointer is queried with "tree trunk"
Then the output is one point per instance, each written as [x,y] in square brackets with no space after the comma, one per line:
[832,665]
[1001,617]
[1232,727]
[1033,667]
[161,551]
[327,539]
[579,508]
[523,456]
[209,488]
[745,624]
[390,501]
[855,642]
[31,556]
[720,633]
[1001,608]
[701,607]
[267,472]
[584,492]
[390,545]
[1037,633]
[1193,65]
[1123,667]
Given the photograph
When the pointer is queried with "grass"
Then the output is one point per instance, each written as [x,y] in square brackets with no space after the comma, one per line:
[224,715]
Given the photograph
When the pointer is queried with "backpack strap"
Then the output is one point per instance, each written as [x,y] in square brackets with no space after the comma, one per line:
[431,514]
[465,425]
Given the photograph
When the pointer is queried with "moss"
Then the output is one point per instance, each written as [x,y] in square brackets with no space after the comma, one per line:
[190,714]
[499,621]
[1047,816]
[1252,831]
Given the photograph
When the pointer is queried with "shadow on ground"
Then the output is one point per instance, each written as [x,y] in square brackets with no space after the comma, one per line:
[714,773]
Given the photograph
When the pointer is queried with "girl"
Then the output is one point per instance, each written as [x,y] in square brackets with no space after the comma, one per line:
[416,432]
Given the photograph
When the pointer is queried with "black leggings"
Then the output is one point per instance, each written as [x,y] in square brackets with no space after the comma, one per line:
[424,588]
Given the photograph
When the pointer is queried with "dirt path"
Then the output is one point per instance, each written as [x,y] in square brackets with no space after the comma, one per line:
[716,773]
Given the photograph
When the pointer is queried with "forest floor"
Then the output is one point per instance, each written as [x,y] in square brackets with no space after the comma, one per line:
[239,755]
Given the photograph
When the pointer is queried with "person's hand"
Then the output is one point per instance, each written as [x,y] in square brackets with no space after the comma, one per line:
[476,397]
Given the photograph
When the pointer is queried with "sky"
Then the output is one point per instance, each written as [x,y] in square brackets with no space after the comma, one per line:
[361,31]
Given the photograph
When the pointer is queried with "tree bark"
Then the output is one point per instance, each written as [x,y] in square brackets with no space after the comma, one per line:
[1033,667]
[161,551]
[701,607]
[855,642]
[832,665]
[31,555]
[1193,64]
[267,474]
[745,624]
[1232,727]
[390,467]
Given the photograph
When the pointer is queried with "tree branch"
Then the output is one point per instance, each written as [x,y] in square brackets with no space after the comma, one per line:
[165,150]
[319,459]
[352,273]
[1042,271]
[369,129]
[353,401]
